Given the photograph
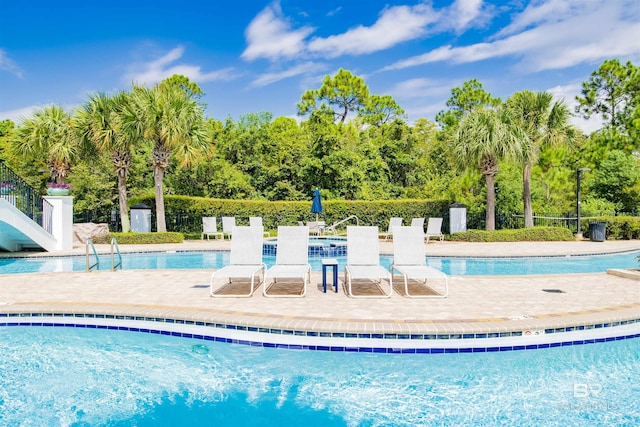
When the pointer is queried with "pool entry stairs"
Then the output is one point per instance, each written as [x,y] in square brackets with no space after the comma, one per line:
[25,216]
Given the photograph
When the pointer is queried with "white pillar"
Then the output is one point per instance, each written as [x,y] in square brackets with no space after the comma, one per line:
[62,221]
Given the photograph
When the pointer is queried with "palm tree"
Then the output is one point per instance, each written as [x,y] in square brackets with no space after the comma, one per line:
[482,140]
[111,125]
[540,121]
[174,122]
[51,132]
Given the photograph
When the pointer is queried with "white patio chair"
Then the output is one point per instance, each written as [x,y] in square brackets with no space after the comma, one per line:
[363,260]
[210,228]
[292,261]
[256,221]
[316,228]
[434,229]
[418,222]
[393,222]
[228,222]
[409,260]
[245,262]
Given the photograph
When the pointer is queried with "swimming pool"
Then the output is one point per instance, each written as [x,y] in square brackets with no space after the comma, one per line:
[320,246]
[210,260]
[70,376]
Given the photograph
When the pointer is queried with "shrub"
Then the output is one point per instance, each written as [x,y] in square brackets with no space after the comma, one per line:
[535,234]
[139,238]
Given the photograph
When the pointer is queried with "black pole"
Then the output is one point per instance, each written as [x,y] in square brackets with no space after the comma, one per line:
[579,171]
[579,230]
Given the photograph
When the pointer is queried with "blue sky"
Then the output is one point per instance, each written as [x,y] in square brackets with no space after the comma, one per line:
[252,56]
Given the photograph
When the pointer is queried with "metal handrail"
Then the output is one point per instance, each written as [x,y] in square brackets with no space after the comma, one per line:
[332,227]
[88,244]
[114,266]
[24,197]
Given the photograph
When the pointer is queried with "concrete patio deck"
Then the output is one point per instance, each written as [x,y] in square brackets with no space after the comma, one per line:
[474,305]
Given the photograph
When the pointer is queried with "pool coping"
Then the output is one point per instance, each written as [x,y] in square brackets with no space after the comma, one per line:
[538,330]
[333,341]
[366,335]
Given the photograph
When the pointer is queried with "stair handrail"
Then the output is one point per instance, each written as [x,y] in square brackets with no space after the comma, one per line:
[89,244]
[25,198]
[114,244]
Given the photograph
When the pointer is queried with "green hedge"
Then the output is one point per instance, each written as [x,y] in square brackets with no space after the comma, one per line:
[132,238]
[289,213]
[535,234]
[368,212]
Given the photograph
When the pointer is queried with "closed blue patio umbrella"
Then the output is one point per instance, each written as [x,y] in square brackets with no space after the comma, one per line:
[316,205]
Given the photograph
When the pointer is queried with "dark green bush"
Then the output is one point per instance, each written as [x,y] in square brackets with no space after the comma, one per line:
[535,234]
[139,238]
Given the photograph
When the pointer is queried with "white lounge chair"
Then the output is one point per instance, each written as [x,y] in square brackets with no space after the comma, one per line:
[418,222]
[228,222]
[434,229]
[256,221]
[363,260]
[316,227]
[393,222]
[292,261]
[409,260]
[210,228]
[245,263]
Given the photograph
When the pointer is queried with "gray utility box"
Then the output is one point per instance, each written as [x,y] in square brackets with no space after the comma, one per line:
[141,218]
[457,218]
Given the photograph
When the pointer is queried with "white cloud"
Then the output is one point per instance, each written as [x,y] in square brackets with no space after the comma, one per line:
[269,36]
[463,12]
[427,110]
[9,65]
[544,11]
[269,78]
[568,94]
[594,31]
[161,68]
[18,115]
[334,11]
[420,88]
[395,25]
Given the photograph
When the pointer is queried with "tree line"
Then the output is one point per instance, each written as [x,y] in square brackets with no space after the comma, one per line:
[515,155]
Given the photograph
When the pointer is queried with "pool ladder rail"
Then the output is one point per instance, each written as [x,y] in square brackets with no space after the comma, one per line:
[114,265]
[115,249]
[332,228]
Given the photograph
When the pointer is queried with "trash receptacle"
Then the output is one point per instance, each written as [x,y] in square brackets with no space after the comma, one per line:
[597,231]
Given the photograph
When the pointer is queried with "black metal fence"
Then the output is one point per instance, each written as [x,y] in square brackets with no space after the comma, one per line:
[24,197]
[180,222]
[188,223]
[476,221]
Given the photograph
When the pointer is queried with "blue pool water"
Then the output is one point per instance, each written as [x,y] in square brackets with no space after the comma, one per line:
[211,260]
[81,377]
